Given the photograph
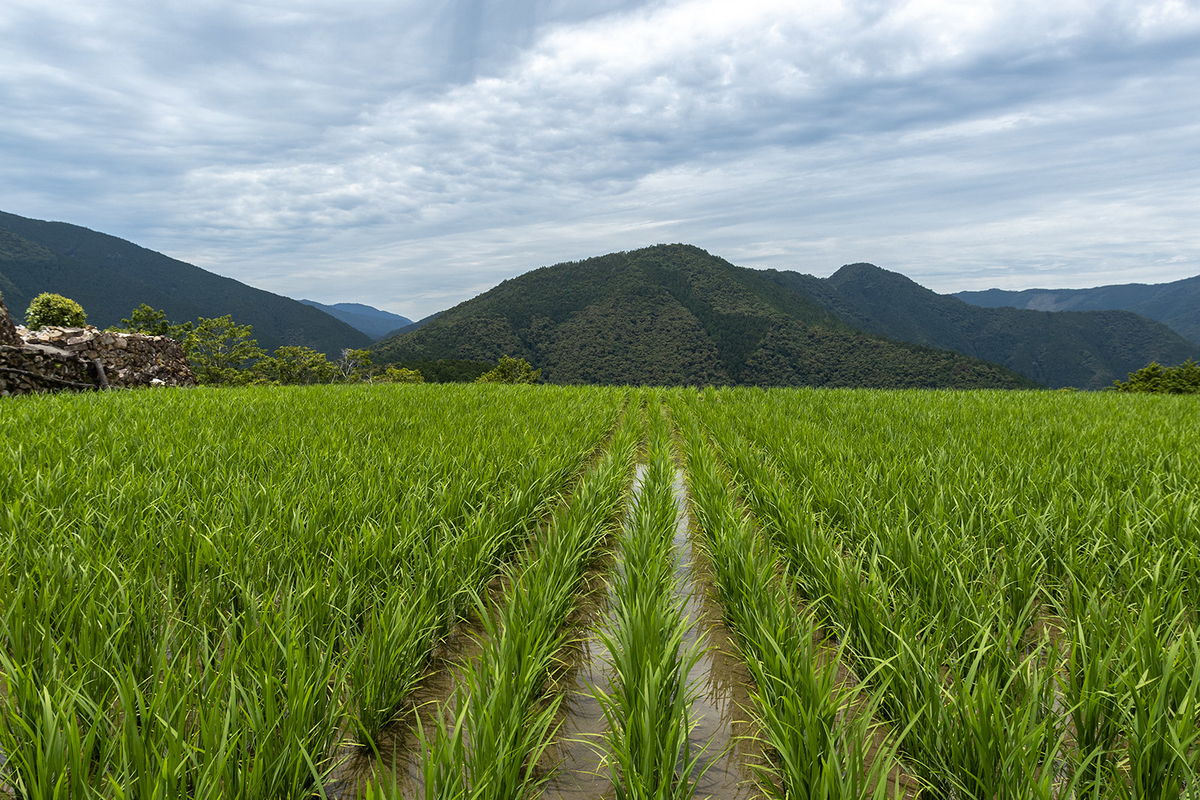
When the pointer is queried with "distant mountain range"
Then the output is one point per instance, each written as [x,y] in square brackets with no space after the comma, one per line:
[110,277]
[668,315]
[1175,304]
[1085,349]
[368,319]
[674,314]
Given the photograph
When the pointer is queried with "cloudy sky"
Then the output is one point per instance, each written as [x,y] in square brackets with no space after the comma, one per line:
[412,154]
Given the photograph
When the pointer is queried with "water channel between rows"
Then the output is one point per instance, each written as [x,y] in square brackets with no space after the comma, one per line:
[721,680]
[574,762]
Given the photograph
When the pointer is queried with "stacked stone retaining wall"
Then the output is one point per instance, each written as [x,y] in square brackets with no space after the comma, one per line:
[82,359]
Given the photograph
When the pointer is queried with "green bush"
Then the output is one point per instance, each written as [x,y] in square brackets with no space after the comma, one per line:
[511,370]
[295,365]
[54,309]
[402,375]
[1157,379]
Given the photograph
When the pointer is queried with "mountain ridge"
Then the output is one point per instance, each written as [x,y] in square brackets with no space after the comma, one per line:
[677,315]
[1085,349]
[110,277]
[374,322]
[1175,304]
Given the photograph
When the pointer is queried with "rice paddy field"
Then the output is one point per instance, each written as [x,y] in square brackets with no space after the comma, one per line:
[487,592]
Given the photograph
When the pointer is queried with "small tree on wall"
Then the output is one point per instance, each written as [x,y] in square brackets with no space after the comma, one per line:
[54,309]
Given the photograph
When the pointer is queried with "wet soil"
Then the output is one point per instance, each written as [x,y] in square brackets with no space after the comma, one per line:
[722,730]
[721,709]
[574,764]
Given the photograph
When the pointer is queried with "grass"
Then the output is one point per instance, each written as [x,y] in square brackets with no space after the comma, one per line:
[647,706]
[217,593]
[211,593]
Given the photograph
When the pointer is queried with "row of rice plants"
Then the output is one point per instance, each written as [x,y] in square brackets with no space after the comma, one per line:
[912,545]
[504,716]
[819,728]
[648,702]
[207,592]
[1102,506]
[956,746]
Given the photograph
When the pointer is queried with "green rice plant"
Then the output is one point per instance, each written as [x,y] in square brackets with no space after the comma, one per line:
[505,719]
[51,734]
[819,740]
[395,643]
[942,534]
[225,606]
[1093,687]
[647,707]
[1161,723]
[931,614]
[1005,738]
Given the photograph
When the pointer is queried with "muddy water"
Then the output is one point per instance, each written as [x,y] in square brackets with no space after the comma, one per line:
[576,756]
[720,678]
[720,711]
[574,763]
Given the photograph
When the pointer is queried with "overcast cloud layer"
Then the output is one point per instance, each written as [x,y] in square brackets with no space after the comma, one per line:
[411,155]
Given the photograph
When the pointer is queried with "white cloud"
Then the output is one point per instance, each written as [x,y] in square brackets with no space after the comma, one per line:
[420,153]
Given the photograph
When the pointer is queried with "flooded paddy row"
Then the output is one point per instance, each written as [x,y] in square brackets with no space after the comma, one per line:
[574,766]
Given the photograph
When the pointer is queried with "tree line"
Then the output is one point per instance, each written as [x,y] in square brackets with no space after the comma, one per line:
[223,353]
[1157,379]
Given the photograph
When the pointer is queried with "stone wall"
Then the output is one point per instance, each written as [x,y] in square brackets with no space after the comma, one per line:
[129,359]
[8,332]
[81,359]
[44,369]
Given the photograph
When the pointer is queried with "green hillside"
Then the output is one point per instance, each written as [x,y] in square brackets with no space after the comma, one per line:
[675,315]
[1088,350]
[110,277]
[1175,304]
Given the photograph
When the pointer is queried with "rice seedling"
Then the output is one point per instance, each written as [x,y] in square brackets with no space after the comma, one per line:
[218,611]
[937,546]
[218,593]
[818,737]
[647,707]
[505,717]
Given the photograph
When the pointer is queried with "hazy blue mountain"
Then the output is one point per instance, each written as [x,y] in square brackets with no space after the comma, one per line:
[1085,349]
[413,326]
[110,277]
[368,319]
[1175,304]
[676,315]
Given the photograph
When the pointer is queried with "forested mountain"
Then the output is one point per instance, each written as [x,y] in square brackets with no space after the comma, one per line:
[110,277]
[675,315]
[1175,304]
[1085,349]
[368,319]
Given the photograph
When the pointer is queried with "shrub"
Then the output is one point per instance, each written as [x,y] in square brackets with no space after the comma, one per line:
[402,375]
[1157,379]
[296,365]
[54,309]
[511,370]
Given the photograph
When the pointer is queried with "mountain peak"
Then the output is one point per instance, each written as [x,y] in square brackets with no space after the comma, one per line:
[867,275]
[677,315]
